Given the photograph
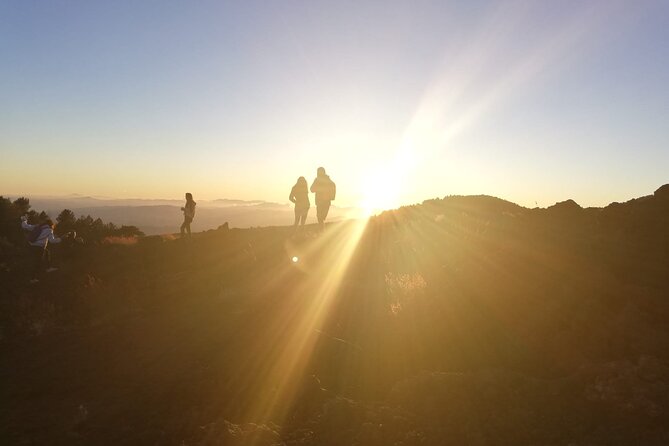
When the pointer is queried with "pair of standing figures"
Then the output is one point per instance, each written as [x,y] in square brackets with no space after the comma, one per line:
[324,189]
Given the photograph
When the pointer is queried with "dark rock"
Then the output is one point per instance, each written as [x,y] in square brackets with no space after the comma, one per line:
[662,193]
[566,206]
[639,388]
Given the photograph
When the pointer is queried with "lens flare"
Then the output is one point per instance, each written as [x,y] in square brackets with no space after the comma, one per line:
[293,333]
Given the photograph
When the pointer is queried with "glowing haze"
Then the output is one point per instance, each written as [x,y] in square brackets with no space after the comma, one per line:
[534,102]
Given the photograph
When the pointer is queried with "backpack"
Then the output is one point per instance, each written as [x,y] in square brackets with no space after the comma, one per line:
[331,190]
[34,233]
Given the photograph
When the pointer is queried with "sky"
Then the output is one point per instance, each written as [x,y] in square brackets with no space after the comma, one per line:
[401,101]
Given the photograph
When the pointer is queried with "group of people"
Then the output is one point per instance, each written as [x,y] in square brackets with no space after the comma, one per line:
[325,191]
[323,187]
[41,235]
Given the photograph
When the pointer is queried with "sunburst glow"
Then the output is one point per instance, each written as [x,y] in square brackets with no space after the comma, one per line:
[382,189]
[295,331]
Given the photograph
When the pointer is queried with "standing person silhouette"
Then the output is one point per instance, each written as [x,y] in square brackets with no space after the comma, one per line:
[299,195]
[325,191]
[189,213]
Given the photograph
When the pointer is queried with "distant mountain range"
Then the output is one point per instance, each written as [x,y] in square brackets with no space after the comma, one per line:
[80,201]
[158,216]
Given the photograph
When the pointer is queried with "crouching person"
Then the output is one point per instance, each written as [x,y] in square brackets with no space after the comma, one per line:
[40,236]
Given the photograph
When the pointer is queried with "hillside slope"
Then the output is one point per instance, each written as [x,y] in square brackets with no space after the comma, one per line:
[467,320]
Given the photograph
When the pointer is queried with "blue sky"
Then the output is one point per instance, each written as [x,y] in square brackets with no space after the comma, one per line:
[534,102]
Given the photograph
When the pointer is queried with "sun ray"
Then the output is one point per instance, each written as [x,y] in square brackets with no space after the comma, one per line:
[285,348]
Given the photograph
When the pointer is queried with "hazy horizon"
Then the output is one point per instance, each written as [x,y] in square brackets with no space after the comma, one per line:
[205,201]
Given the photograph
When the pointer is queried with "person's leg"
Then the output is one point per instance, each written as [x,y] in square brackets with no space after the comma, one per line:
[46,256]
[303,217]
[319,214]
[183,227]
[326,210]
[47,260]
[188,222]
[322,211]
[37,254]
[297,216]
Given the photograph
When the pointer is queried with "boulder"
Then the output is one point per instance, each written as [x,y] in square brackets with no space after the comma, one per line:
[662,193]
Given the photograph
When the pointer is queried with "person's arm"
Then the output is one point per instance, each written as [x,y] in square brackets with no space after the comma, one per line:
[27,226]
[52,237]
[291,197]
[313,186]
[334,190]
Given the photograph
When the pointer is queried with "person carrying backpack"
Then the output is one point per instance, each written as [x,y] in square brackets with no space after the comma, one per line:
[325,190]
[40,236]
[189,213]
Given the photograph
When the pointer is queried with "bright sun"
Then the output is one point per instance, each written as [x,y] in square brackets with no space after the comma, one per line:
[381,191]
[384,186]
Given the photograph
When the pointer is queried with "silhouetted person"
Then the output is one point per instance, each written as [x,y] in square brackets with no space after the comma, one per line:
[40,236]
[299,195]
[325,191]
[189,213]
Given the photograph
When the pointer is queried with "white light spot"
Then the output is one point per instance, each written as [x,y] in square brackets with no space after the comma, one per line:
[295,259]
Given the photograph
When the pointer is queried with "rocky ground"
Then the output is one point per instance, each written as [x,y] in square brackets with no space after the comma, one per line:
[467,320]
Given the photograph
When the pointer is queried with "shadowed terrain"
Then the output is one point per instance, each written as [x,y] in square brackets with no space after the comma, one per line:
[463,320]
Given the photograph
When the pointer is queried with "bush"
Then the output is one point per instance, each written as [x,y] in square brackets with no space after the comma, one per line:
[91,230]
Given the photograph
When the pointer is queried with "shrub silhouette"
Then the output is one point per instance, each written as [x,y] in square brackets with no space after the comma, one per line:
[12,237]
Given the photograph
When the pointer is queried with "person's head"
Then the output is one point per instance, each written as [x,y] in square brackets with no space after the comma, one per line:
[301,182]
[189,196]
[320,171]
[49,222]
